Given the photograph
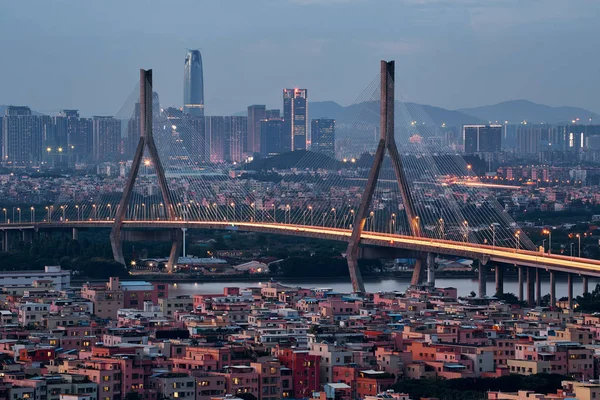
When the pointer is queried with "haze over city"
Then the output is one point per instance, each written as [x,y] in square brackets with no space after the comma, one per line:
[193,205]
[449,53]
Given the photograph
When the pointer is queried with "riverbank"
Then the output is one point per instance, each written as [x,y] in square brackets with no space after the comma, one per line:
[171,278]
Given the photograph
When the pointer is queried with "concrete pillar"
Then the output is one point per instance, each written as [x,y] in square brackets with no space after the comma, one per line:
[530,284]
[552,289]
[570,290]
[75,234]
[419,270]
[482,288]
[586,285]
[499,280]
[5,241]
[431,270]
[538,288]
[520,271]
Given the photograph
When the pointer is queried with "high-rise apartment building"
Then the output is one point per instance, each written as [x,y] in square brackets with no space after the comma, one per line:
[482,138]
[193,84]
[256,113]
[106,139]
[22,137]
[295,119]
[226,136]
[322,132]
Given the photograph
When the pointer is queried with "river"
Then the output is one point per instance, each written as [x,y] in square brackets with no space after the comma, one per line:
[464,285]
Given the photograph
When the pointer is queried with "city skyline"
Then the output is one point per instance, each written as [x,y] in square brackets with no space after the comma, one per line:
[522,62]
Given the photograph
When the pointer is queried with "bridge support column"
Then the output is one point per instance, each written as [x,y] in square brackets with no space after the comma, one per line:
[499,280]
[570,290]
[177,236]
[75,234]
[538,288]
[5,241]
[552,289]
[520,272]
[530,284]
[482,282]
[586,284]
[430,270]
[419,271]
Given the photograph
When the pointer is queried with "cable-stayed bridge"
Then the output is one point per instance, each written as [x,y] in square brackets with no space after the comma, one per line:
[393,190]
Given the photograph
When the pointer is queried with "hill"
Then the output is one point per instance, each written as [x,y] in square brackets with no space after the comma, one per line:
[515,111]
[369,112]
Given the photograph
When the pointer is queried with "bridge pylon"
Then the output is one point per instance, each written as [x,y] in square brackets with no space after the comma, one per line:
[386,142]
[146,142]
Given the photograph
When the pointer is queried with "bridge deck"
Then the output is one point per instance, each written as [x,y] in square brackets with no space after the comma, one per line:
[485,253]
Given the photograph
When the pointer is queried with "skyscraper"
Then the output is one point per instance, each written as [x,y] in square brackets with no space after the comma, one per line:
[271,131]
[22,136]
[482,138]
[295,119]
[256,113]
[226,136]
[322,132]
[106,139]
[193,84]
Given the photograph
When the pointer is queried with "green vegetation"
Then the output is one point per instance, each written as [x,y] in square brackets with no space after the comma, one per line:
[477,388]
[590,302]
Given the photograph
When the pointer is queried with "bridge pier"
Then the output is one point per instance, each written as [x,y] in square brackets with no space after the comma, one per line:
[482,282]
[530,283]
[552,289]
[570,290]
[538,288]
[75,234]
[586,284]
[419,270]
[5,241]
[499,279]
[177,237]
[431,270]
[520,272]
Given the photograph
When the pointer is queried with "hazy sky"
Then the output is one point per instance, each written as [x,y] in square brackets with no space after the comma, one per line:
[451,53]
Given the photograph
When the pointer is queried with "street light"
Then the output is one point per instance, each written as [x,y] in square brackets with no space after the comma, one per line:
[78,215]
[518,237]
[494,233]
[466,225]
[32,209]
[311,215]
[571,248]
[63,207]
[393,221]
[334,217]
[19,211]
[289,216]
[578,236]
[549,233]
[5,215]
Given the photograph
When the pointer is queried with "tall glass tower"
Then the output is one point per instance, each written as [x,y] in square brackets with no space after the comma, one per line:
[193,84]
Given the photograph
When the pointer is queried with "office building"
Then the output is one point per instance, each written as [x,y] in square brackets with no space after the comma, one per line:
[256,113]
[272,137]
[322,132]
[482,138]
[295,118]
[226,136]
[106,139]
[22,135]
[193,84]
[77,142]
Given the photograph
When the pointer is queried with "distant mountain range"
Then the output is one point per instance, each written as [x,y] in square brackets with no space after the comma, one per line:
[513,111]
[524,110]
